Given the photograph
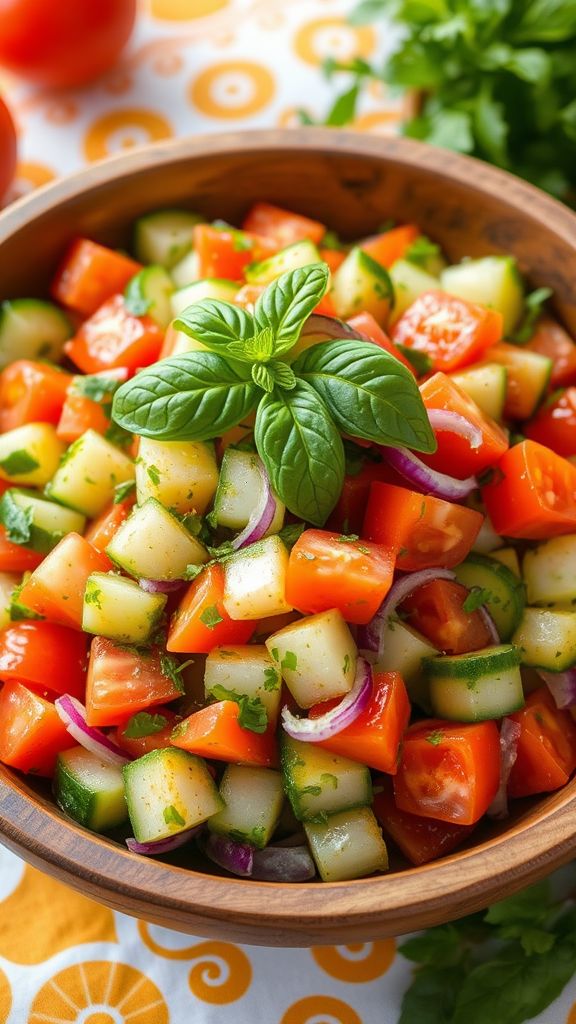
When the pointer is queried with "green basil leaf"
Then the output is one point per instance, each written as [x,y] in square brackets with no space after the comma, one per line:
[302,451]
[431,996]
[262,377]
[284,375]
[216,324]
[192,397]
[287,303]
[368,393]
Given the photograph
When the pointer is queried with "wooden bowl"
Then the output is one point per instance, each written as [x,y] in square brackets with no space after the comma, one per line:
[353,183]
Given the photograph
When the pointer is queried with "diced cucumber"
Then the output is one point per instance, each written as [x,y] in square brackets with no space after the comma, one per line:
[492,281]
[550,573]
[88,474]
[32,329]
[9,581]
[300,254]
[246,669]
[527,377]
[169,791]
[239,491]
[487,539]
[502,592]
[318,782]
[152,543]
[208,288]
[255,580]
[182,475]
[362,285]
[316,656]
[186,270]
[30,454]
[348,845]
[90,790]
[409,281]
[164,236]
[485,385]
[509,558]
[547,639]
[476,686]
[402,651]
[118,609]
[148,293]
[253,799]
[49,521]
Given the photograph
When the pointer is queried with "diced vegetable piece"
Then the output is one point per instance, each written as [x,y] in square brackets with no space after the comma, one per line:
[239,491]
[186,270]
[182,475]
[300,254]
[485,384]
[149,293]
[532,493]
[438,611]
[509,558]
[16,557]
[319,782]
[546,751]
[247,670]
[114,337]
[49,521]
[201,621]
[222,251]
[497,589]
[348,514]
[164,236]
[451,331]
[31,329]
[455,454]
[475,687]
[31,392]
[88,404]
[368,326]
[447,771]
[283,226]
[30,454]
[551,340]
[547,639]
[409,282]
[316,656]
[102,530]
[90,471]
[492,281]
[402,651]
[420,839]
[45,657]
[255,580]
[487,539]
[215,732]
[55,589]
[152,543]
[348,845]
[31,733]
[362,284]
[527,377]
[554,424]
[209,288]
[389,246]
[253,799]
[8,582]
[90,274]
[550,573]
[90,790]
[168,791]
[116,608]
[122,682]
[145,731]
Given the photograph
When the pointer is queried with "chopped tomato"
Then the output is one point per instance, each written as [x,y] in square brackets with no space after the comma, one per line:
[455,454]
[31,392]
[122,681]
[248,295]
[112,337]
[101,530]
[215,732]
[546,749]
[283,226]
[325,307]
[448,771]
[45,657]
[333,257]
[56,588]
[201,622]
[436,610]
[226,252]
[424,531]
[31,733]
[420,839]
[368,326]
[142,742]
[451,331]
[533,493]
[391,245]
[15,557]
[348,514]
[91,274]
[327,571]
[550,339]
[374,737]
[79,413]
[554,425]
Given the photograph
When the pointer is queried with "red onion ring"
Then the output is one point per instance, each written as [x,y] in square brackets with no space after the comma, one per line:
[163,845]
[261,516]
[444,420]
[562,686]
[237,858]
[161,586]
[73,714]
[283,864]
[370,637]
[509,736]
[314,730]
[490,624]
[425,479]
[330,328]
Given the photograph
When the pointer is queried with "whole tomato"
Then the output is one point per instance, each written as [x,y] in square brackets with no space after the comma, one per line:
[62,43]
[7,148]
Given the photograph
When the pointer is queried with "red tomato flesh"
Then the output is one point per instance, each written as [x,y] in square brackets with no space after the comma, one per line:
[31,392]
[121,682]
[451,331]
[45,657]
[550,339]
[215,732]
[420,839]
[554,425]
[533,493]
[546,747]
[282,226]
[454,454]
[436,610]
[56,588]
[112,338]
[90,275]
[201,622]
[31,733]
[137,746]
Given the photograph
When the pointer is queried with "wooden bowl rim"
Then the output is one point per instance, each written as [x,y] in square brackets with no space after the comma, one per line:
[504,863]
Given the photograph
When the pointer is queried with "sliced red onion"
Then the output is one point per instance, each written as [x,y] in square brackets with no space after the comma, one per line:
[163,845]
[509,736]
[371,636]
[562,686]
[490,624]
[283,864]
[453,423]
[262,515]
[237,858]
[425,479]
[161,586]
[314,730]
[331,328]
[73,714]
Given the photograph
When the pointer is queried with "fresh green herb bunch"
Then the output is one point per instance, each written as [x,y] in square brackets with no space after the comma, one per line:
[344,385]
[498,78]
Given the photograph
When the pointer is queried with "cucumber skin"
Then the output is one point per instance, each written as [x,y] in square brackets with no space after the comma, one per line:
[78,802]
[512,583]
[490,659]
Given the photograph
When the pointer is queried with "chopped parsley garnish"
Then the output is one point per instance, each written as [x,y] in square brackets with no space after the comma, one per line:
[253,715]
[172,816]
[19,462]
[477,597]
[144,724]
[211,617]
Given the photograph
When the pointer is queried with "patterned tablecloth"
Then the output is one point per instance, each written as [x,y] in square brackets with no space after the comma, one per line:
[192,66]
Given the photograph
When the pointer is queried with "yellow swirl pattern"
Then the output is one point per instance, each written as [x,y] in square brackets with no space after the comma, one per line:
[222,973]
[320,1010]
[358,963]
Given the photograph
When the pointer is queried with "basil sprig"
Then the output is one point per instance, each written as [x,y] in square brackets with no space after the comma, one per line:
[350,386]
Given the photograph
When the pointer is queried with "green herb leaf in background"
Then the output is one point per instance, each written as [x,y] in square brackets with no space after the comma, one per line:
[16,521]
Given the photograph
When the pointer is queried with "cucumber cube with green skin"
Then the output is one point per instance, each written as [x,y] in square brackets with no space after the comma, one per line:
[153,544]
[167,792]
[182,475]
[90,790]
[148,293]
[318,782]
[316,656]
[30,454]
[255,580]
[253,799]
[117,608]
[403,650]
[88,474]
[493,586]
[32,329]
[50,521]
[361,284]
[348,845]
[550,573]
[186,270]
[492,281]
[207,288]
[299,254]
[8,583]
[509,558]
[239,490]
[485,385]
[247,669]
[476,687]
[165,236]
[409,281]
[546,639]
